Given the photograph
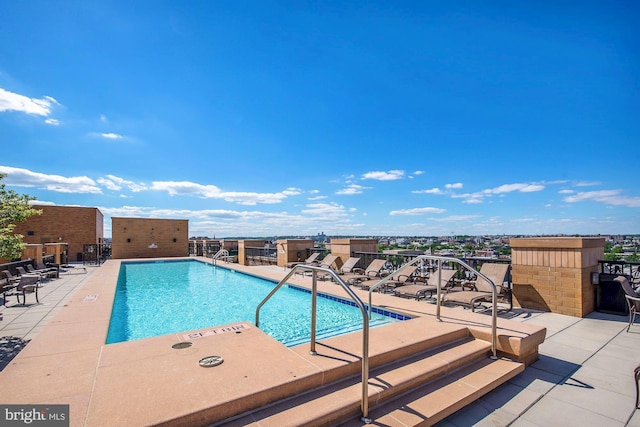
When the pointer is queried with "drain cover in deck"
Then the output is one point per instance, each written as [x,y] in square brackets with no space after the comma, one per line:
[211,361]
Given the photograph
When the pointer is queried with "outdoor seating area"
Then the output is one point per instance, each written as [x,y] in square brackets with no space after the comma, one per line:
[26,280]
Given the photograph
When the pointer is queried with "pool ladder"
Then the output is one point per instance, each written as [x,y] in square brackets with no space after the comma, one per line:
[222,254]
[364,405]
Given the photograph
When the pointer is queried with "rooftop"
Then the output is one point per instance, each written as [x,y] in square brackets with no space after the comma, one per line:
[584,375]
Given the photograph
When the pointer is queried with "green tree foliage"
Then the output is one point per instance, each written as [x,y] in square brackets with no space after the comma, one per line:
[14,209]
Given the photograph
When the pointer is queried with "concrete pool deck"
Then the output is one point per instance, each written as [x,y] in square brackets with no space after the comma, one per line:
[584,375]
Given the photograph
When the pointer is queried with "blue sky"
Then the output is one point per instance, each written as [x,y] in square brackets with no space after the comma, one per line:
[263,118]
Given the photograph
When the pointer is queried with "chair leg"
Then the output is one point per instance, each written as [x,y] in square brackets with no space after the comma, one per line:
[637,374]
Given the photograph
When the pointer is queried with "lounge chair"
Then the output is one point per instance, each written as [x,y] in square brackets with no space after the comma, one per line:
[312,260]
[45,273]
[632,298]
[371,272]
[349,265]
[12,278]
[55,271]
[327,262]
[347,268]
[22,272]
[429,289]
[399,279]
[497,273]
[28,284]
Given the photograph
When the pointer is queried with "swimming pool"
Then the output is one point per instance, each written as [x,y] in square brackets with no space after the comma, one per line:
[161,297]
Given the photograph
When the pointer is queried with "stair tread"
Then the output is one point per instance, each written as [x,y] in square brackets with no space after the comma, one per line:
[441,398]
[342,400]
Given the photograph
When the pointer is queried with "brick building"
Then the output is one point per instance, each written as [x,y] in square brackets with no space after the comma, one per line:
[73,225]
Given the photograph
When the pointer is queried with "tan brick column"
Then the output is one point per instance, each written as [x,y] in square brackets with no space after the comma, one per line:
[554,273]
[293,250]
[343,248]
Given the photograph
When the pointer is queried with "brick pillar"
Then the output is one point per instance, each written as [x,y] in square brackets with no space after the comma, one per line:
[343,248]
[242,253]
[554,274]
[293,250]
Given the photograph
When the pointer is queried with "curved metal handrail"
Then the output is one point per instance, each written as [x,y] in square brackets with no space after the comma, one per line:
[222,253]
[441,260]
[364,405]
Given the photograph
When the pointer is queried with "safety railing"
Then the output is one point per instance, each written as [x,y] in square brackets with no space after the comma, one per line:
[221,254]
[440,261]
[364,405]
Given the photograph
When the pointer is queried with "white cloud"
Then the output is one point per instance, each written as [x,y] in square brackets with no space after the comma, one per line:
[391,175]
[455,186]
[586,183]
[418,172]
[111,136]
[52,122]
[351,189]
[212,192]
[566,192]
[454,218]
[325,210]
[434,190]
[26,178]
[10,101]
[115,183]
[609,197]
[417,211]
[524,188]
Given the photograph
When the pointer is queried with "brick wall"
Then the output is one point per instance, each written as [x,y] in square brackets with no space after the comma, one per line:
[554,274]
[73,225]
[149,238]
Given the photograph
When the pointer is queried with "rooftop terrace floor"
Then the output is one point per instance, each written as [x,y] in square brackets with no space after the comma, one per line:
[584,376]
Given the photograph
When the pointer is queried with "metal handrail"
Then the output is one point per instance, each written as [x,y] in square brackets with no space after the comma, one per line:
[441,260]
[364,405]
[222,253]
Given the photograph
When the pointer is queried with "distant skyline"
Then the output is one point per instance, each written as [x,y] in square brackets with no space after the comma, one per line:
[265,118]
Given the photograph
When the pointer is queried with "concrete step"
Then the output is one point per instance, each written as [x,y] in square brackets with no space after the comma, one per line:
[340,401]
[435,401]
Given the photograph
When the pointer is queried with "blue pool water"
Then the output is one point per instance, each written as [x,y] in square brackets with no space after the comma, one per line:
[162,297]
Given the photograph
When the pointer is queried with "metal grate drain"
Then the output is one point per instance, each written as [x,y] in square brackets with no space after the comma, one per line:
[210,361]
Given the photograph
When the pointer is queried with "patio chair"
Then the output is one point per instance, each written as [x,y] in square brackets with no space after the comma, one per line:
[632,298]
[327,262]
[312,260]
[54,269]
[371,272]
[399,279]
[430,288]
[12,278]
[497,273]
[45,273]
[28,284]
[348,267]
[22,272]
